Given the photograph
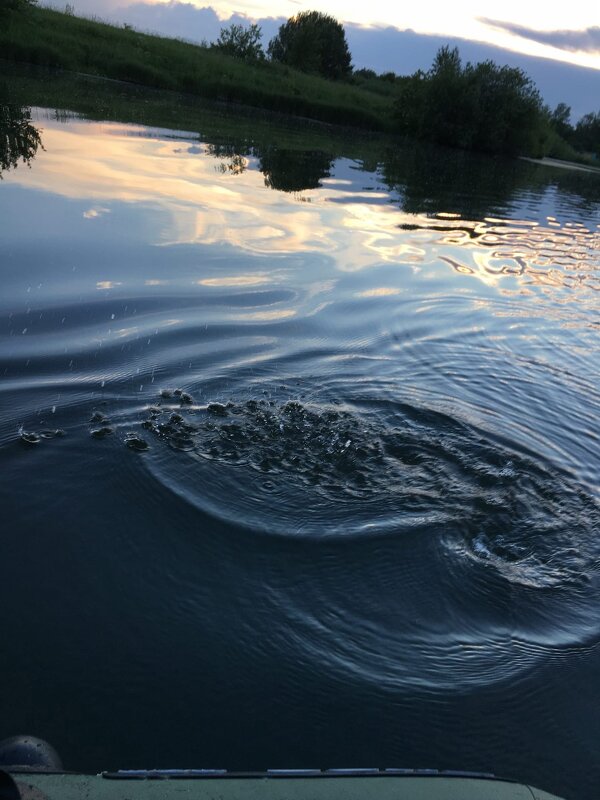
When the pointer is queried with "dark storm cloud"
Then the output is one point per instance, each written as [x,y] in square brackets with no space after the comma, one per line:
[587,40]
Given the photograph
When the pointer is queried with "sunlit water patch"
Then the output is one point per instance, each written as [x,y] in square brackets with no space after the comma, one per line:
[548,255]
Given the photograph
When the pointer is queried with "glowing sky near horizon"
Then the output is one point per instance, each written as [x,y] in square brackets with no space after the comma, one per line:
[461,18]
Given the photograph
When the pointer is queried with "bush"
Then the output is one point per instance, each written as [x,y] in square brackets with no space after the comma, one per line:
[35,53]
[480,107]
[587,134]
[241,42]
[367,74]
[9,6]
[136,72]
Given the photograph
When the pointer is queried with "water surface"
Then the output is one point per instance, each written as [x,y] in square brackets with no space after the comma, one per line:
[300,452]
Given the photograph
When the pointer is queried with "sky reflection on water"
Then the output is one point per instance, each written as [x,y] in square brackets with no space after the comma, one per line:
[381,490]
[120,170]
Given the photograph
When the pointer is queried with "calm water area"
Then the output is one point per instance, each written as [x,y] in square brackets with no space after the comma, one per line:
[299,448]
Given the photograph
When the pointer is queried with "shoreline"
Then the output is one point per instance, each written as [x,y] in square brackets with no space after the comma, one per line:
[561,164]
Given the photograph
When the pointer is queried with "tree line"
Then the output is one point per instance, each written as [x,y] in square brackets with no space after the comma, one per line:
[484,106]
[309,41]
[584,136]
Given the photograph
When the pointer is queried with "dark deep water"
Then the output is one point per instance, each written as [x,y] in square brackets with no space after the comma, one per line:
[365,530]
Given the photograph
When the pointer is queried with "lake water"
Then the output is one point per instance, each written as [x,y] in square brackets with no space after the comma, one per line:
[300,453]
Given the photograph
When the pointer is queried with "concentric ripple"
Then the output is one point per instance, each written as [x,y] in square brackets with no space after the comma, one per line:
[446,556]
[367,467]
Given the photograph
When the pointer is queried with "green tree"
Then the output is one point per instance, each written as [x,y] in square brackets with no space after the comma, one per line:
[506,110]
[587,134]
[367,74]
[241,42]
[560,119]
[313,42]
[410,106]
[447,102]
[477,107]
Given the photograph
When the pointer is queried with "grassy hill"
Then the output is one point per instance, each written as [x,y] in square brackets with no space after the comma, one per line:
[421,107]
[52,38]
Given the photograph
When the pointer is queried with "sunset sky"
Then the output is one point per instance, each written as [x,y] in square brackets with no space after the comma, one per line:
[568,32]
[470,19]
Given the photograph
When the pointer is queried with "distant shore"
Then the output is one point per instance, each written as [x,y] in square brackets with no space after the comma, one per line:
[420,107]
[558,162]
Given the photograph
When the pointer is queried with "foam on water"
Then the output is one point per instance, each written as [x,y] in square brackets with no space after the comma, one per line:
[445,557]
[366,467]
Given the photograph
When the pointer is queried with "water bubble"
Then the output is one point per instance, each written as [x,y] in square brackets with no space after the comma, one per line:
[217,409]
[28,437]
[101,433]
[51,434]
[135,442]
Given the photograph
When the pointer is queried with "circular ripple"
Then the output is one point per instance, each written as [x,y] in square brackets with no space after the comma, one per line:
[421,553]
[282,465]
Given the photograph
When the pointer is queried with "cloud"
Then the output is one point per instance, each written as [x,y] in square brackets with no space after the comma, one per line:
[96,211]
[87,8]
[405,51]
[585,41]
[181,20]
[184,20]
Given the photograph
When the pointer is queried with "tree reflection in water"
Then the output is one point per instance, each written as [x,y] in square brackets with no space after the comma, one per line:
[284,169]
[19,139]
[294,170]
[232,155]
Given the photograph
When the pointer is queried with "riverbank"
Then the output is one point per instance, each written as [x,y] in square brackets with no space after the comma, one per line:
[47,37]
[410,106]
[563,164]
[240,126]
